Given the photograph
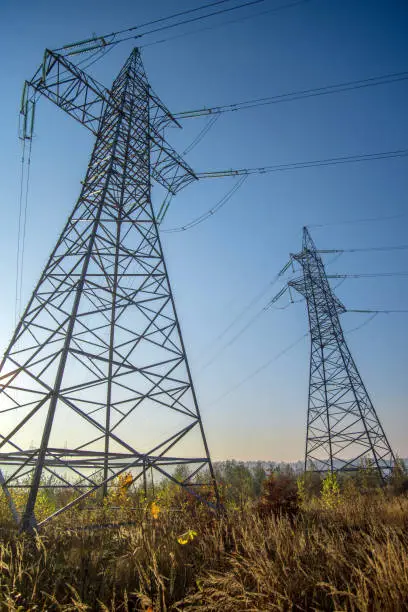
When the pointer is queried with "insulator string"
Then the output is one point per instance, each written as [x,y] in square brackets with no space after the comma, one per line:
[19,228]
[24,222]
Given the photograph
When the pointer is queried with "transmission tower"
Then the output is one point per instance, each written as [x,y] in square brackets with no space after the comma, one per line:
[95,381]
[343,429]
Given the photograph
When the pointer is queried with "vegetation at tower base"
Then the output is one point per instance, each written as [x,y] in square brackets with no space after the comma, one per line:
[263,554]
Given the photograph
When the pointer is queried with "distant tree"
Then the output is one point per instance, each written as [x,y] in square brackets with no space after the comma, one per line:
[311,484]
[180,473]
[399,477]
[238,479]
[258,478]
[368,477]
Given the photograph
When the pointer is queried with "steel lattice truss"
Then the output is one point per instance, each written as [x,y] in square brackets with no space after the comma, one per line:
[95,381]
[86,100]
[343,429]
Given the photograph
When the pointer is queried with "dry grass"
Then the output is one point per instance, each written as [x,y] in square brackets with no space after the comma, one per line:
[320,561]
[353,556]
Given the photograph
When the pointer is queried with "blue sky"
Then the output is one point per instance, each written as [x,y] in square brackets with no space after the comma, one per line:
[219,266]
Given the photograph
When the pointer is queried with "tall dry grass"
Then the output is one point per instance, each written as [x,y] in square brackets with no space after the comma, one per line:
[352,555]
[347,558]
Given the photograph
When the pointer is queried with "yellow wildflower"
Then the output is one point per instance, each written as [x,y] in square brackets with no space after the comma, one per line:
[155,509]
[187,537]
[125,480]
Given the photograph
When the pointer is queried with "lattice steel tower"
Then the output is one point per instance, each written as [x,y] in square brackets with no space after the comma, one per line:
[95,381]
[343,429]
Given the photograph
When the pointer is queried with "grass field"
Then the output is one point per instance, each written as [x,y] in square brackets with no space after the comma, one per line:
[340,550]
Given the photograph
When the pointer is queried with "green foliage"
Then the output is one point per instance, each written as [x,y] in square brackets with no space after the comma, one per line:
[301,489]
[258,478]
[330,490]
[45,504]
[399,478]
[180,473]
[368,478]
[349,487]
[239,483]
[309,485]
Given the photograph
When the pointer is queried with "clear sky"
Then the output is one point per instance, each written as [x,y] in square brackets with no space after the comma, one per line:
[217,267]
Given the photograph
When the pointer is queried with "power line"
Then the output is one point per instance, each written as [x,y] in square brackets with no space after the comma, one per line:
[266,307]
[333,259]
[254,300]
[260,369]
[331,161]
[116,37]
[366,322]
[276,9]
[295,95]
[90,61]
[367,275]
[355,221]
[288,305]
[293,345]
[169,196]
[234,338]
[374,314]
[402,247]
[201,134]
[107,37]
[211,212]
[231,192]
[368,311]
[193,19]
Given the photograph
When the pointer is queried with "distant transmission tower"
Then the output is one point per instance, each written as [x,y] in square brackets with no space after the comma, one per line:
[95,382]
[343,429]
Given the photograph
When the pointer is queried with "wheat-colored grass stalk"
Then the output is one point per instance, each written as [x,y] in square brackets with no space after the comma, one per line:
[350,556]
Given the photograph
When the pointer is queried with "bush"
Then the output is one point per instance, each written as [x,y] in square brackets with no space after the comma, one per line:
[279,496]
[330,490]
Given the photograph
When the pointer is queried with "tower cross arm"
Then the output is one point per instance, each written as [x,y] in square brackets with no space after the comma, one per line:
[84,98]
[298,256]
[160,115]
[67,86]
[167,166]
[299,285]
